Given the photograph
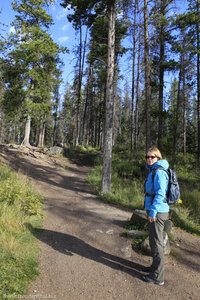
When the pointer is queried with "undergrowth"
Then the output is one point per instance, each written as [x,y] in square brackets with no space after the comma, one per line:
[21,209]
[128,176]
[19,205]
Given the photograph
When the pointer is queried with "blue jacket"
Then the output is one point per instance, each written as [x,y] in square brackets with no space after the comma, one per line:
[156,189]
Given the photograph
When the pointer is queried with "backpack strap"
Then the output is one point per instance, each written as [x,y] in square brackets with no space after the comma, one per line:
[161,168]
[153,175]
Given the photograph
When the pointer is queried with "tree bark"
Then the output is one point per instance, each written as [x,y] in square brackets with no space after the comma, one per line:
[198,85]
[79,89]
[108,129]
[41,134]
[25,141]
[161,78]
[136,133]
[56,108]
[176,130]
[82,51]
[85,128]
[147,78]
[133,77]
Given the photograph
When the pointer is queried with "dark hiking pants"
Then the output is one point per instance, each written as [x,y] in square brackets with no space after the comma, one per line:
[157,246]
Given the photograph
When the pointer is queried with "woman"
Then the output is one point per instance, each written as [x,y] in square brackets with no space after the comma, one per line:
[156,186]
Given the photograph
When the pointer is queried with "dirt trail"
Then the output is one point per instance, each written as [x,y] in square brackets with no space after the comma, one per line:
[83,254]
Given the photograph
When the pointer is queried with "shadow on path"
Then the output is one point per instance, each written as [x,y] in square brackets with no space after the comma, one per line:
[70,245]
[50,174]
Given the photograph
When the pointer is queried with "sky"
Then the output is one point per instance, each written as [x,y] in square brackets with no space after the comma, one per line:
[62,33]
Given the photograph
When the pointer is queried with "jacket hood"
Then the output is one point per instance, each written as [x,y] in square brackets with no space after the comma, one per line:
[160,163]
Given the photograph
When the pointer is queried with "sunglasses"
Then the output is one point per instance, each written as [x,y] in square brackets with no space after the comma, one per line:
[152,157]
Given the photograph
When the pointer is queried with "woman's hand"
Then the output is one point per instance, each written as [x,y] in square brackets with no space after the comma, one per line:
[150,219]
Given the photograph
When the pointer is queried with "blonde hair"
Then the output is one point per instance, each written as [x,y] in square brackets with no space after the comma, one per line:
[155,151]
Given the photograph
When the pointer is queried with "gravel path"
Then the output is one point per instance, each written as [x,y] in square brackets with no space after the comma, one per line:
[83,253]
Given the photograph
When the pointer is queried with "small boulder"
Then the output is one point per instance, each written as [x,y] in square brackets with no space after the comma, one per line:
[136,233]
[55,150]
[139,217]
[146,247]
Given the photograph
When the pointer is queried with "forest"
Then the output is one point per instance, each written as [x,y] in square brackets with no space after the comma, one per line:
[135,83]
[156,42]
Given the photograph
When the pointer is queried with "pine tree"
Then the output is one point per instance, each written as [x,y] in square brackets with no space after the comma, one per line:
[34,55]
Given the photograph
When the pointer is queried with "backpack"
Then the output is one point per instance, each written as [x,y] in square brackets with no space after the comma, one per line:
[173,192]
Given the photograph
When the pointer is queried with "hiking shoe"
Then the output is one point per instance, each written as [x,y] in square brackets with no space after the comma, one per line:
[146,269]
[150,280]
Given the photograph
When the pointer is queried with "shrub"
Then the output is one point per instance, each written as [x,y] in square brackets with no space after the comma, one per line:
[19,204]
[16,189]
[192,202]
[128,176]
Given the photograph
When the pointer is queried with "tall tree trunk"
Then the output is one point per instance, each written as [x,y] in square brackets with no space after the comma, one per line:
[82,51]
[198,84]
[116,109]
[86,116]
[108,130]
[133,77]
[56,108]
[136,126]
[26,139]
[41,134]
[147,78]
[1,127]
[184,114]
[79,88]
[176,131]
[161,77]
[162,41]
[161,86]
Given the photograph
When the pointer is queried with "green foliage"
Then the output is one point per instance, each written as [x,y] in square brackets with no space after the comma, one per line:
[136,225]
[137,243]
[192,202]
[19,193]
[83,154]
[85,148]
[31,66]
[187,214]
[186,160]
[19,205]
[14,94]
[188,172]
[181,218]
[94,178]
[127,169]
[126,193]
[127,186]
[124,190]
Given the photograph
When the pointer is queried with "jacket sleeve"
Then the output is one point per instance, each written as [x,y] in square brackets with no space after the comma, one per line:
[160,185]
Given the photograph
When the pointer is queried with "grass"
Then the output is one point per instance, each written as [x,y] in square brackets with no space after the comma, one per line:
[84,155]
[182,218]
[126,193]
[19,205]
[21,209]
[128,176]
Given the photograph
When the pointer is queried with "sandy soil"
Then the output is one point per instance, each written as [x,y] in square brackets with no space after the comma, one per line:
[84,254]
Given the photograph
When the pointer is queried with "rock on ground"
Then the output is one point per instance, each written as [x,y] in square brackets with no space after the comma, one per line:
[84,254]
